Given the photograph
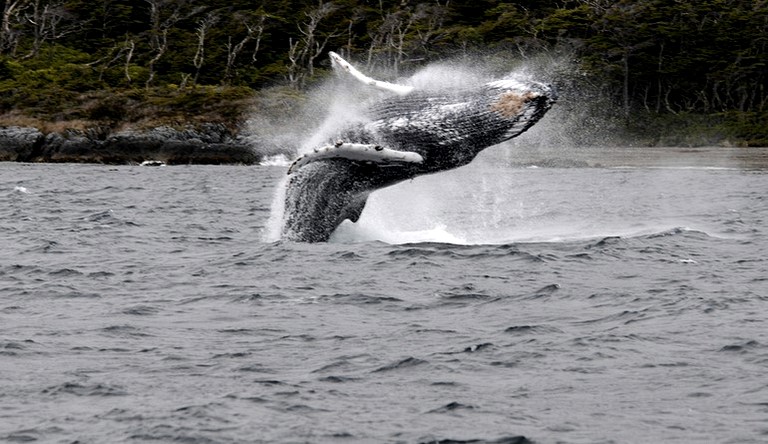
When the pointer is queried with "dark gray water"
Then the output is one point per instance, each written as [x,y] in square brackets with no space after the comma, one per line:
[619,297]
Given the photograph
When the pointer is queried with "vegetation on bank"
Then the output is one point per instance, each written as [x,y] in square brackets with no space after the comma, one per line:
[683,72]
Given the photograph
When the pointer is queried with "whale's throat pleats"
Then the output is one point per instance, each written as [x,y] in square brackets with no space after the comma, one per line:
[322,194]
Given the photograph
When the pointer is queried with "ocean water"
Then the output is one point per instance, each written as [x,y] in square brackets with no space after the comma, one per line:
[596,296]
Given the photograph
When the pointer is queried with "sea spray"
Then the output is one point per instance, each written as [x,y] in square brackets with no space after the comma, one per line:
[343,103]
[272,229]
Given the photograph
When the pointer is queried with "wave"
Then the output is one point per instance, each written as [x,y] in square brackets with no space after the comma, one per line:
[440,234]
[349,232]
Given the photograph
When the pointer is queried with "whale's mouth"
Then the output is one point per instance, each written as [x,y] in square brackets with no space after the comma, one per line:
[510,103]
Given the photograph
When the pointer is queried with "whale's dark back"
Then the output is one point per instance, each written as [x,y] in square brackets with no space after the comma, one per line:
[449,129]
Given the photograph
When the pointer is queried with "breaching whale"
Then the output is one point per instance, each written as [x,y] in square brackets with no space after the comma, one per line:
[406,134]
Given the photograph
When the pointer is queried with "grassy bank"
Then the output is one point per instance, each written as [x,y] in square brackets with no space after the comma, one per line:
[58,91]
[57,107]
[733,128]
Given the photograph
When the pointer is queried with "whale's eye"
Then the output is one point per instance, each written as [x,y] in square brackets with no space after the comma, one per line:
[510,104]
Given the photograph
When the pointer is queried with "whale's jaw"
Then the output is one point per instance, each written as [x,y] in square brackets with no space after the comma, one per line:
[406,135]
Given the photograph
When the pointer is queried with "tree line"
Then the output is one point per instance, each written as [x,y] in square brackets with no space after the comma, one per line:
[654,56]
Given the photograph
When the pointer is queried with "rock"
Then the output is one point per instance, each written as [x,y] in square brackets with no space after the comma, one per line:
[207,144]
[68,147]
[18,144]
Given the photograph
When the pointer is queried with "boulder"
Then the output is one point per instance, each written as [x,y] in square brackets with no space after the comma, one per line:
[206,144]
[20,144]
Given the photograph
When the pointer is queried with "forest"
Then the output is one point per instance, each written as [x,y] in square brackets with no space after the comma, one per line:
[695,64]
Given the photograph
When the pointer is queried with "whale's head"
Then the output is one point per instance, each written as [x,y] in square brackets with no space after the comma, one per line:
[519,103]
[449,128]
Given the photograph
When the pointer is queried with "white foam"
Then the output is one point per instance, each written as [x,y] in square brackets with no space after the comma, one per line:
[277,160]
[272,230]
[349,232]
[443,76]
[415,215]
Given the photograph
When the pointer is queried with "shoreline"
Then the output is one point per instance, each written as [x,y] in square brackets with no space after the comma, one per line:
[204,144]
[237,125]
[208,139]
[215,145]
[663,157]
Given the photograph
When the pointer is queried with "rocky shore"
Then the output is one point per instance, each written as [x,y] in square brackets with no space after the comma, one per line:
[204,144]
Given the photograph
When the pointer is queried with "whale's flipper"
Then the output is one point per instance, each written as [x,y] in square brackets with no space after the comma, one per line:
[386,86]
[358,152]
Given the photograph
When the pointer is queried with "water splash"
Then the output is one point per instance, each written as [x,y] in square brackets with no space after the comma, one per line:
[341,101]
[489,203]
[281,160]
[343,108]
[348,233]
[273,227]
[445,75]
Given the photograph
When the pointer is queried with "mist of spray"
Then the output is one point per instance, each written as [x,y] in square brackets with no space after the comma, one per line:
[573,121]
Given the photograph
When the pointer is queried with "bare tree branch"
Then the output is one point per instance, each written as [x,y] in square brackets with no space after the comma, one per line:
[203,26]
[253,31]
[304,51]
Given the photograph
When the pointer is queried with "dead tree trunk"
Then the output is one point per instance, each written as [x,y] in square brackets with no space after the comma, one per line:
[130,46]
[159,51]
[253,31]
[49,23]
[304,51]
[203,26]
[11,10]
[159,27]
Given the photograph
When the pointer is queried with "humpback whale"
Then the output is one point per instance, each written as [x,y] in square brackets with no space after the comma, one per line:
[407,133]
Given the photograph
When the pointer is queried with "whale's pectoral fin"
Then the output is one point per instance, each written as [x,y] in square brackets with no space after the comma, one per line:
[358,152]
[321,195]
[342,64]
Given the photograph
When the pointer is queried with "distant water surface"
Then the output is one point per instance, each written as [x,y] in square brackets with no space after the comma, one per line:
[595,296]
